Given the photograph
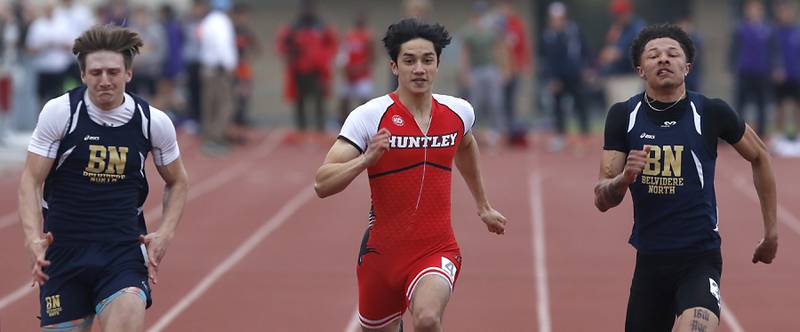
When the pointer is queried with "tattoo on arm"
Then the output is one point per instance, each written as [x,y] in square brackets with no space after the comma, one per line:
[607,194]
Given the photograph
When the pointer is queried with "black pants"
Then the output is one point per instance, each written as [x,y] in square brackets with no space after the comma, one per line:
[664,285]
[309,88]
[754,88]
[574,88]
[50,85]
[194,88]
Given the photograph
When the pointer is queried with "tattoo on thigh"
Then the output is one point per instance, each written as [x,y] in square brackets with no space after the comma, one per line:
[698,326]
[702,314]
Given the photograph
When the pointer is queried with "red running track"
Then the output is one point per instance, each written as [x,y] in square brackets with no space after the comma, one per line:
[256,250]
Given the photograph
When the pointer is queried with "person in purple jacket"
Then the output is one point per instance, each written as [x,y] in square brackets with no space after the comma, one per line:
[787,74]
[752,57]
[173,64]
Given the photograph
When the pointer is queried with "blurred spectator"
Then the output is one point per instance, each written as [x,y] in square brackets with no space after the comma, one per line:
[694,79]
[248,48]
[483,69]
[151,56]
[308,46]
[752,55]
[78,18]
[191,57]
[218,60]
[78,14]
[356,57]
[621,80]
[6,20]
[564,59]
[787,73]
[173,64]
[519,62]
[49,41]
[24,101]
[417,8]
[114,12]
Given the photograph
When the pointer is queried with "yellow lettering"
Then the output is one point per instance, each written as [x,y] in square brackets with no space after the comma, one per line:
[672,160]
[116,159]
[97,159]
[652,164]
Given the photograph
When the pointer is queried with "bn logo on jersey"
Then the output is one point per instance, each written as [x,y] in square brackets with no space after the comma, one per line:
[662,169]
[106,164]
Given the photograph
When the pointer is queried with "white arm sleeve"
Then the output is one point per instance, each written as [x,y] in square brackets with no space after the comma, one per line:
[362,123]
[51,128]
[164,140]
[462,107]
[354,130]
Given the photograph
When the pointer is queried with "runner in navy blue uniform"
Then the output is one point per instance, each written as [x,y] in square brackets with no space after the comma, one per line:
[662,146]
[83,187]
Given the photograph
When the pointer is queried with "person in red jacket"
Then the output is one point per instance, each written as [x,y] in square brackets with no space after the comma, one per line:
[356,57]
[308,46]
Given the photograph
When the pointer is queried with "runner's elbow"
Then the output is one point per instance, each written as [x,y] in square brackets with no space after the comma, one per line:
[320,190]
[324,190]
[601,205]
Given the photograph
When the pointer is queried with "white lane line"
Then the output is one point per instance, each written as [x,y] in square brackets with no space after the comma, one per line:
[16,295]
[784,215]
[225,174]
[265,230]
[353,325]
[729,318]
[207,185]
[9,219]
[539,254]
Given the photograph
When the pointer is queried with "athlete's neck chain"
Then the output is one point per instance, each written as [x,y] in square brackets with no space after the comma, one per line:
[647,100]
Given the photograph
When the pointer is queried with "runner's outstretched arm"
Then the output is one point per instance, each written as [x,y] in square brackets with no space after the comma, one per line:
[30,212]
[751,148]
[467,162]
[176,189]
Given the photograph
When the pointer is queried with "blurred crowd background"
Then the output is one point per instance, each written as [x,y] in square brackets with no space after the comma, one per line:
[222,67]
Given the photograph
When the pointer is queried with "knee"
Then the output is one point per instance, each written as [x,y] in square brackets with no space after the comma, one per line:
[427,320]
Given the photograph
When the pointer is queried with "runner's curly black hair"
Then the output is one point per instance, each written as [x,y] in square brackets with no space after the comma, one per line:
[412,28]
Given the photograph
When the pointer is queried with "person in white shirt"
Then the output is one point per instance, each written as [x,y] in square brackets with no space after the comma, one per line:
[49,40]
[218,60]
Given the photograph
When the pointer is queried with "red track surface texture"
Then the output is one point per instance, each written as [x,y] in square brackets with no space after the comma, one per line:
[257,251]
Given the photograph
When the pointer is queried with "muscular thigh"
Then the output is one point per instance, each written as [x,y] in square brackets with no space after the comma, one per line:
[650,304]
[125,268]
[700,285]
[386,283]
[380,291]
[65,297]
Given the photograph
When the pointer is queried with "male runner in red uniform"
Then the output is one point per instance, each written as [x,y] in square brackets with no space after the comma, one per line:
[407,141]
